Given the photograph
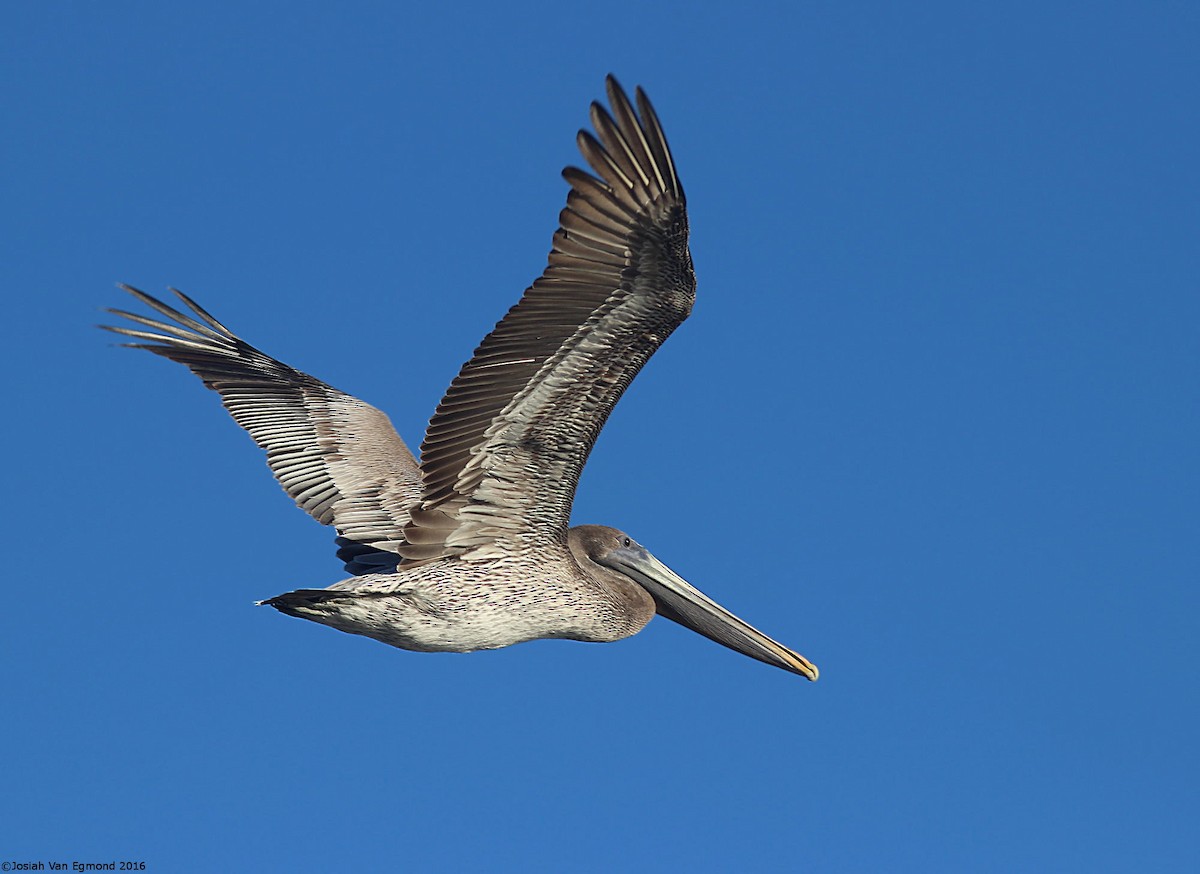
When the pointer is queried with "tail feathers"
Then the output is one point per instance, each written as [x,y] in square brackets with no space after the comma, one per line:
[303,602]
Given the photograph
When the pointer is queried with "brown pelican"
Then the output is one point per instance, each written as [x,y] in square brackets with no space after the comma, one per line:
[471,549]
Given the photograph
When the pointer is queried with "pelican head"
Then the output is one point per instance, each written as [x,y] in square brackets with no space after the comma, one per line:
[677,600]
[464,549]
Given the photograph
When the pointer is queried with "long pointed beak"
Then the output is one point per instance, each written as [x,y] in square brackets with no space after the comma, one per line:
[691,608]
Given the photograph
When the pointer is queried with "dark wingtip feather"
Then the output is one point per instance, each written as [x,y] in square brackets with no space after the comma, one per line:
[200,311]
[658,141]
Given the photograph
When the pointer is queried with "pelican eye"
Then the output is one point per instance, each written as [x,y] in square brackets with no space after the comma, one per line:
[627,543]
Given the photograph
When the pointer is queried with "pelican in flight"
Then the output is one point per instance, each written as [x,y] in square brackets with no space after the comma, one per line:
[471,547]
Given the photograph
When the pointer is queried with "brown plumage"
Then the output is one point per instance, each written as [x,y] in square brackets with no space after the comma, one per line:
[471,549]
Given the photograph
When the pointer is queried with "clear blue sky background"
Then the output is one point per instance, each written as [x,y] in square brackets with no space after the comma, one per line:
[933,423]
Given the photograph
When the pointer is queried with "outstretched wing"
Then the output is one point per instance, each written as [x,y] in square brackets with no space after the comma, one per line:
[504,451]
[339,458]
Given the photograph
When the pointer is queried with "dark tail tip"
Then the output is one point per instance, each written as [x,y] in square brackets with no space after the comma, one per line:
[292,603]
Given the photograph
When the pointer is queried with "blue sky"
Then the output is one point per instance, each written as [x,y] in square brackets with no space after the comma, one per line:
[933,423]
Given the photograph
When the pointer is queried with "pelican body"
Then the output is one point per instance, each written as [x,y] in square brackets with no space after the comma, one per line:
[471,548]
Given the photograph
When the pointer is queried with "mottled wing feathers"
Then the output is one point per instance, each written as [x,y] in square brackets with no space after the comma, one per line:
[339,458]
[505,448]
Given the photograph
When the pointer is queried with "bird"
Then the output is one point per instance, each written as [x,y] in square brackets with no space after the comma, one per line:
[470,548]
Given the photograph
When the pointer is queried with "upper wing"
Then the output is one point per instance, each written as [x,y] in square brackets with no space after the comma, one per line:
[339,458]
[505,448]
